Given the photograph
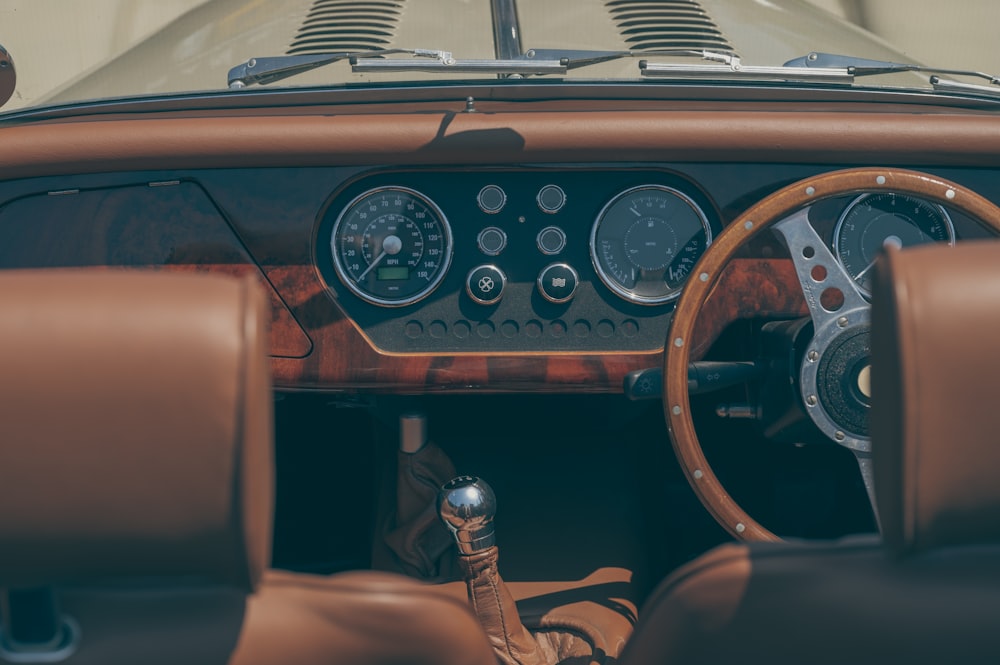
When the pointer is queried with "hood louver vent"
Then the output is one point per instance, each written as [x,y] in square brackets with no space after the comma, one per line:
[347,25]
[666,24]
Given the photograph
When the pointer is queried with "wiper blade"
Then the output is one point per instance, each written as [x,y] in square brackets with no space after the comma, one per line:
[731,67]
[865,67]
[444,61]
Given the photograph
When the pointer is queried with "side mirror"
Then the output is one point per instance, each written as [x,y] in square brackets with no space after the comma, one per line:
[8,78]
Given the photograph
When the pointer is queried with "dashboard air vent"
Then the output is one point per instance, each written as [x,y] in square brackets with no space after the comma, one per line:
[347,25]
[666,24]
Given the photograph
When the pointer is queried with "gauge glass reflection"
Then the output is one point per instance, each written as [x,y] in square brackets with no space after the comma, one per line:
[646,241]
[391,246]
[874,221]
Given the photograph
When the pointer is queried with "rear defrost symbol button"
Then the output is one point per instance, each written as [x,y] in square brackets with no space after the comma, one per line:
[557,282]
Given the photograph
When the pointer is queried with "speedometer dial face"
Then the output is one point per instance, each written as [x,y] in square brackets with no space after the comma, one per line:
[391,246]
[646,241]
[873,221]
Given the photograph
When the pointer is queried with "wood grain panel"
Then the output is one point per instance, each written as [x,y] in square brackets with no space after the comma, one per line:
[173,227]
[748,289]
[345,359]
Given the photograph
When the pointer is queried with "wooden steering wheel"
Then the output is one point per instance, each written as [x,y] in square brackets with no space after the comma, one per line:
[818,272]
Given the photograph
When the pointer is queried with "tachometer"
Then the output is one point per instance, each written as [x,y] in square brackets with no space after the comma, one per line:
[646,241]
[872,221]
[391,246]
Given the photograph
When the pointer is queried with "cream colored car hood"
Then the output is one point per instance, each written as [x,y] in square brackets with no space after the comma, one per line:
[196,51]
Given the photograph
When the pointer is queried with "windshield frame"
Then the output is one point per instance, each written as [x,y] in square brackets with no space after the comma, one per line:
[259,98]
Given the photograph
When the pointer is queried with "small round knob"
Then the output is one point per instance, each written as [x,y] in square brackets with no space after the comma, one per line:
[467,506]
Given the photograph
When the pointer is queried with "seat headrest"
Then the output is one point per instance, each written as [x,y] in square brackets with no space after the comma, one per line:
[135,427]
[935,373]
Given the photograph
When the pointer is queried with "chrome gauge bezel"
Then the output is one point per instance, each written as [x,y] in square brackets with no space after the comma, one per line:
[610,280]
[350,281]
[857,201]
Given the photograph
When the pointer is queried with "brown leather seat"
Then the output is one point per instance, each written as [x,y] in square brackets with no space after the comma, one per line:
[136,490]
[931,592]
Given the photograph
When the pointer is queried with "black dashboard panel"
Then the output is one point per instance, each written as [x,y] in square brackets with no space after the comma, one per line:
[537,207]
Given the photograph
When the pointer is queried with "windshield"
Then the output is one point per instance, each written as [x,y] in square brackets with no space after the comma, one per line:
[67,52]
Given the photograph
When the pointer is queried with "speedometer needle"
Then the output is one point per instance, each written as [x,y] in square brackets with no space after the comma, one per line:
[391,245]
[372,265]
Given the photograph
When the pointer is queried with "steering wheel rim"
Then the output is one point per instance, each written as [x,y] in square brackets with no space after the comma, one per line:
[706,275]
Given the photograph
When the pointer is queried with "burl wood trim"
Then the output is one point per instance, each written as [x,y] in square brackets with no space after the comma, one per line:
[710,274]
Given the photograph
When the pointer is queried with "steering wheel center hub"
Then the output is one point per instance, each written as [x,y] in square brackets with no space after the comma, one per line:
[843,383]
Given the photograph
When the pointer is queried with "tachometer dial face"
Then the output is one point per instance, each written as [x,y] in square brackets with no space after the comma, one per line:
[872,221]
[391,246]
[646,241]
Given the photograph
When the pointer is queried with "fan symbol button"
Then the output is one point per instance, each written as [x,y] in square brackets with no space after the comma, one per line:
[485,284]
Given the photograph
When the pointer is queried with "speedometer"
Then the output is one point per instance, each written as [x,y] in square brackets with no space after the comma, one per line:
[646,241]
[873,221]
[391,246]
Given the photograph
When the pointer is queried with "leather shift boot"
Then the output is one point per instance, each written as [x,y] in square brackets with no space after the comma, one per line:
[557,639]
[493,604]
[422,546]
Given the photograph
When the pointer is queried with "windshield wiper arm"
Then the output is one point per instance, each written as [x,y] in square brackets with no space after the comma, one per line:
[865,67]
[261,71]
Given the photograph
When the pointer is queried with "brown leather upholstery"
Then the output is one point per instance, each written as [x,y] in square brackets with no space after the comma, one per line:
[931,594]
[935,422]
[136,479]
[135,421]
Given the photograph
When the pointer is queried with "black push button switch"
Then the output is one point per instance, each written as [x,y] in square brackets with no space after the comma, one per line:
[485,284]
[557,282]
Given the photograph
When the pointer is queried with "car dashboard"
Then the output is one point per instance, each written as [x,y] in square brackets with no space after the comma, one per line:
[468,244]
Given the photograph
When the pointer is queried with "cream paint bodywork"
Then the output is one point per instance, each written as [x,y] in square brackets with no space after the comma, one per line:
[49,52]
[958,35]
[122,47]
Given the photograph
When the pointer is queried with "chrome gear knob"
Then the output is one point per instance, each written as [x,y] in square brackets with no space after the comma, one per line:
[467,505]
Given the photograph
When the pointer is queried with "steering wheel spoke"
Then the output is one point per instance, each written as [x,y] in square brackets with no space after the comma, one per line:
[829,292]
[868,478]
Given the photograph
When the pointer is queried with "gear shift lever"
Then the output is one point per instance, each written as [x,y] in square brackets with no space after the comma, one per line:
[467,506]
